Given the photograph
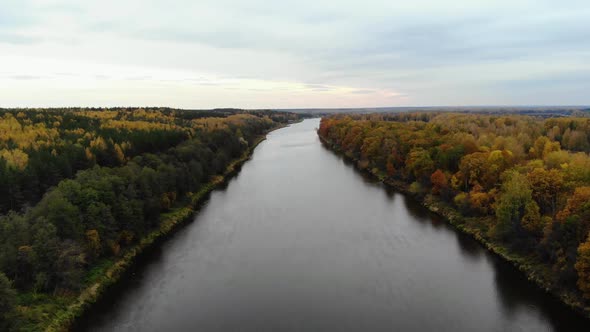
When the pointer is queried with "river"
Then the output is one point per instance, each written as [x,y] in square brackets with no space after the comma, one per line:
[299,240]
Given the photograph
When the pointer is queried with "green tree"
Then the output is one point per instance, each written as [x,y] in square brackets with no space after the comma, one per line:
[7,302]
[515,204]
[420,165]
[62,213]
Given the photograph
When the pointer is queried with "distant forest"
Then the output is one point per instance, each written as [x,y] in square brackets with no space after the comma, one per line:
[539,111]
[521,182]
[79,186]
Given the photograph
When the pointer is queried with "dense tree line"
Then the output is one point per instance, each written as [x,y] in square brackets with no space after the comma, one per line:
[78,186]
[41,147]
[527,177]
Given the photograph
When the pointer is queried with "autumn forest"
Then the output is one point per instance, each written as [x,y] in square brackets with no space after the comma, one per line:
[84,192]
[521,184]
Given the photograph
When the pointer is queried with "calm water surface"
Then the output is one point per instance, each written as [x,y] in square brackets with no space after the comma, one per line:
[300,241]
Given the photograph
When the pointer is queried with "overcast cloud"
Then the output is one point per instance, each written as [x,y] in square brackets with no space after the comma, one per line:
[282,54]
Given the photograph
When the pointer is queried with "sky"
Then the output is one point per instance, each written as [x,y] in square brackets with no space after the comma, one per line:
[293,54]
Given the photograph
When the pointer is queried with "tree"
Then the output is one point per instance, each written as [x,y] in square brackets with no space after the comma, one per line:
[577,173]
[15,158]
[532,221]
[583,268]
[577,204]
[439,182]
[542,147]
[515,204]
[420,164]
[46,246]
[498,161]
[547,186]
[479,201]
[62,213]
[119,153]
[557,159]
[472,168]
[24,267]
[93,245]
[576,140]
[165,202]
[577,212]
[69,266]
[7,302]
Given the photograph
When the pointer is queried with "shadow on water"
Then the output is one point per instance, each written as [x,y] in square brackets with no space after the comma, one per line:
[516,293]
[150,258]
[513,290]
[470,248]
[419,212]
[365,176]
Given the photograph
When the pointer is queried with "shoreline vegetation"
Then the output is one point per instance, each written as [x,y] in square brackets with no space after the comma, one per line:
[169,222]
[477,226]
[83,192]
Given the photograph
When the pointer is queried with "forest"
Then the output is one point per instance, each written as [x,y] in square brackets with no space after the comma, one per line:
[520,182]
[80,186]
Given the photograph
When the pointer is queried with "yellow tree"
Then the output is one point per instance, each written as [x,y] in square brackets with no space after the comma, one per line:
[15,158]
[583,268]
[577,205]
[93,245]
[547,186]
[472,168]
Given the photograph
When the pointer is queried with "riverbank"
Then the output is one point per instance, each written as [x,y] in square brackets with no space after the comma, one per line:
[535,271]
[109,274]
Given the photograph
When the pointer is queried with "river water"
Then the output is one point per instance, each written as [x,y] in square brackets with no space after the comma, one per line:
[301,241]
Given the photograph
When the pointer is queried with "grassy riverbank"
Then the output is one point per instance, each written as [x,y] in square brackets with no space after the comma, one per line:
[478,228]
[62,311]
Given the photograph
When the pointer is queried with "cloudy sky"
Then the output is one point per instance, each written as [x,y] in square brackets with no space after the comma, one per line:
[294,54]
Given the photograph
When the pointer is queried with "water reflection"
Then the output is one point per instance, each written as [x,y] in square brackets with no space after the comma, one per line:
[518,295]
[470,248]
